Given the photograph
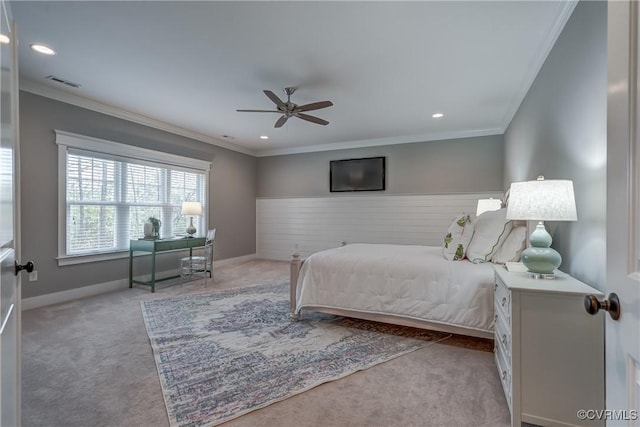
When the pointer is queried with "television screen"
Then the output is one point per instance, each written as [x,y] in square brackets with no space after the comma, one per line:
[357,174]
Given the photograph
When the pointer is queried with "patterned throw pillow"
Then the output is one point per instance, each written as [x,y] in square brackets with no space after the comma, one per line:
[454,246]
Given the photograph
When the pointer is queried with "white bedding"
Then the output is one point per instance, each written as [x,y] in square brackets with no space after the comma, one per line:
[404,280]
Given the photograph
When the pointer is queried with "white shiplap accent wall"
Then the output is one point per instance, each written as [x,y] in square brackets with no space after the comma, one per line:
[314,224]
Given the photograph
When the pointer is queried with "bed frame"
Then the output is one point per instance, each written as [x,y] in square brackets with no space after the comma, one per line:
[296,265]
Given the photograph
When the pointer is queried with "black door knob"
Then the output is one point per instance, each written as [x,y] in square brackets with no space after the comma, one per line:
[28,266]
[610,305]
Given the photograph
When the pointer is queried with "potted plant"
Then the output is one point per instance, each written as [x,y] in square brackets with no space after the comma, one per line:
[155,225]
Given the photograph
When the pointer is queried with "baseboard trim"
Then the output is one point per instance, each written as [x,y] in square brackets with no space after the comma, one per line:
[102,288]
[236,260]
[73,294]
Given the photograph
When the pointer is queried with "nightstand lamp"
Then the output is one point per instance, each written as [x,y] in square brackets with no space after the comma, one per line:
[191,208]
[542,200]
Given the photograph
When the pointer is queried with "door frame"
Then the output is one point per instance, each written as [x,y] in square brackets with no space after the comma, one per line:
[622,343]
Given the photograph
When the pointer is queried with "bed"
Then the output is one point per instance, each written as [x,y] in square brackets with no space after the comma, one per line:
[447,288]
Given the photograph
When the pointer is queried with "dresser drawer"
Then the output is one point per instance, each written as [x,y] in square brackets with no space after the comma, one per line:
[503,337]
[504,372]
[502,300]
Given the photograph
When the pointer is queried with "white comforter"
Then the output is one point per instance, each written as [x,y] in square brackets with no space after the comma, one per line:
[404,280]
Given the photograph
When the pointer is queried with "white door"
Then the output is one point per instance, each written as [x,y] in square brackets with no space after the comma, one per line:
[9,221]
[623,215]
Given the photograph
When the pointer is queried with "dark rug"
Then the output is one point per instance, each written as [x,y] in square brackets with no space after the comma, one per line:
[225,353]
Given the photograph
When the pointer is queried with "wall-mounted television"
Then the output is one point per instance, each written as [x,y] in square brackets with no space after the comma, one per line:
[357,174]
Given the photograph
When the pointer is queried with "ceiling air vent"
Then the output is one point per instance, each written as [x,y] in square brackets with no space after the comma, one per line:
[63,81]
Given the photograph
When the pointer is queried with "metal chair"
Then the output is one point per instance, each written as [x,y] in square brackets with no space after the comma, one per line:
[199,264]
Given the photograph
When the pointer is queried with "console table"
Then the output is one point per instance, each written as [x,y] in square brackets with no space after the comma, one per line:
[154,246]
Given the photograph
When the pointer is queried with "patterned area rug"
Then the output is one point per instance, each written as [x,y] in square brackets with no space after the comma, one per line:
[225,353]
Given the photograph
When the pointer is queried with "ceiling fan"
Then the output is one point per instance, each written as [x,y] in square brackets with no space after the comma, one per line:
[289,109]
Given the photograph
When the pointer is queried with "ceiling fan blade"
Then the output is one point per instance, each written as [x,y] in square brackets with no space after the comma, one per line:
[312,119]
[259,111]
[314,106]
[274,98]
[281,121]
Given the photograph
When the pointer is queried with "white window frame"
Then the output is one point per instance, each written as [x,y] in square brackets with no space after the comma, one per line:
[66,140]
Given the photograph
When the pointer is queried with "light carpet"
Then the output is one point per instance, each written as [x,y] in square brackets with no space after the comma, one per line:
[223,354]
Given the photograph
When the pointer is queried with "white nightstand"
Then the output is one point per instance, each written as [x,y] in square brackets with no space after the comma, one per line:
[548,350]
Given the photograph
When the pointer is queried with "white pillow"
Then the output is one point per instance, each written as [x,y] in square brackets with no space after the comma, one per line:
[491,228]
[512,246]
[457,238]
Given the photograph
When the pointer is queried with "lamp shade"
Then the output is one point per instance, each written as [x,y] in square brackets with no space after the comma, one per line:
[488,205]
[191,208]
[542,200]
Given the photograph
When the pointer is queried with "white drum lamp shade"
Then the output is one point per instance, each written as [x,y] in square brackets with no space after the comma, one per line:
[193,209]
[542,200]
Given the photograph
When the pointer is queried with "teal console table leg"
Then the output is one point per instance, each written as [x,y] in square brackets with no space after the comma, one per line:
[153,271]
[130,268]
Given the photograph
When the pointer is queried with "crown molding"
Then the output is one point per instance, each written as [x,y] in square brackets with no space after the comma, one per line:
[90,104]
[566,9]
[378,142]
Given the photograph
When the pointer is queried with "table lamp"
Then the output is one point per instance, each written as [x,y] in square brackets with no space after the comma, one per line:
[488,205]
[542,200]
[191,208]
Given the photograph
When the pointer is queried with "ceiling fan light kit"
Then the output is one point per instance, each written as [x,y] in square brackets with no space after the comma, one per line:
[289,109]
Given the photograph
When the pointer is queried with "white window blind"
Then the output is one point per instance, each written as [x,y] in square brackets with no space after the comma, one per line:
[109,197]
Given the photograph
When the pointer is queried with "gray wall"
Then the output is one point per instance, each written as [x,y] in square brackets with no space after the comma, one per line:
[448,166]
[232,191]
[559,131]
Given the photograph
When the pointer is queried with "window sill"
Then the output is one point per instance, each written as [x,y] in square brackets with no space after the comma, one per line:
[82,259]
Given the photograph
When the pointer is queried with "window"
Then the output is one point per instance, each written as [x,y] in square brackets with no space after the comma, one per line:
[109,190]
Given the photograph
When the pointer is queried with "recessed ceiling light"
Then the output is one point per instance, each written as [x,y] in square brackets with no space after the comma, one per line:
[4,39]
[264,137]
[437,115]
[40,48]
